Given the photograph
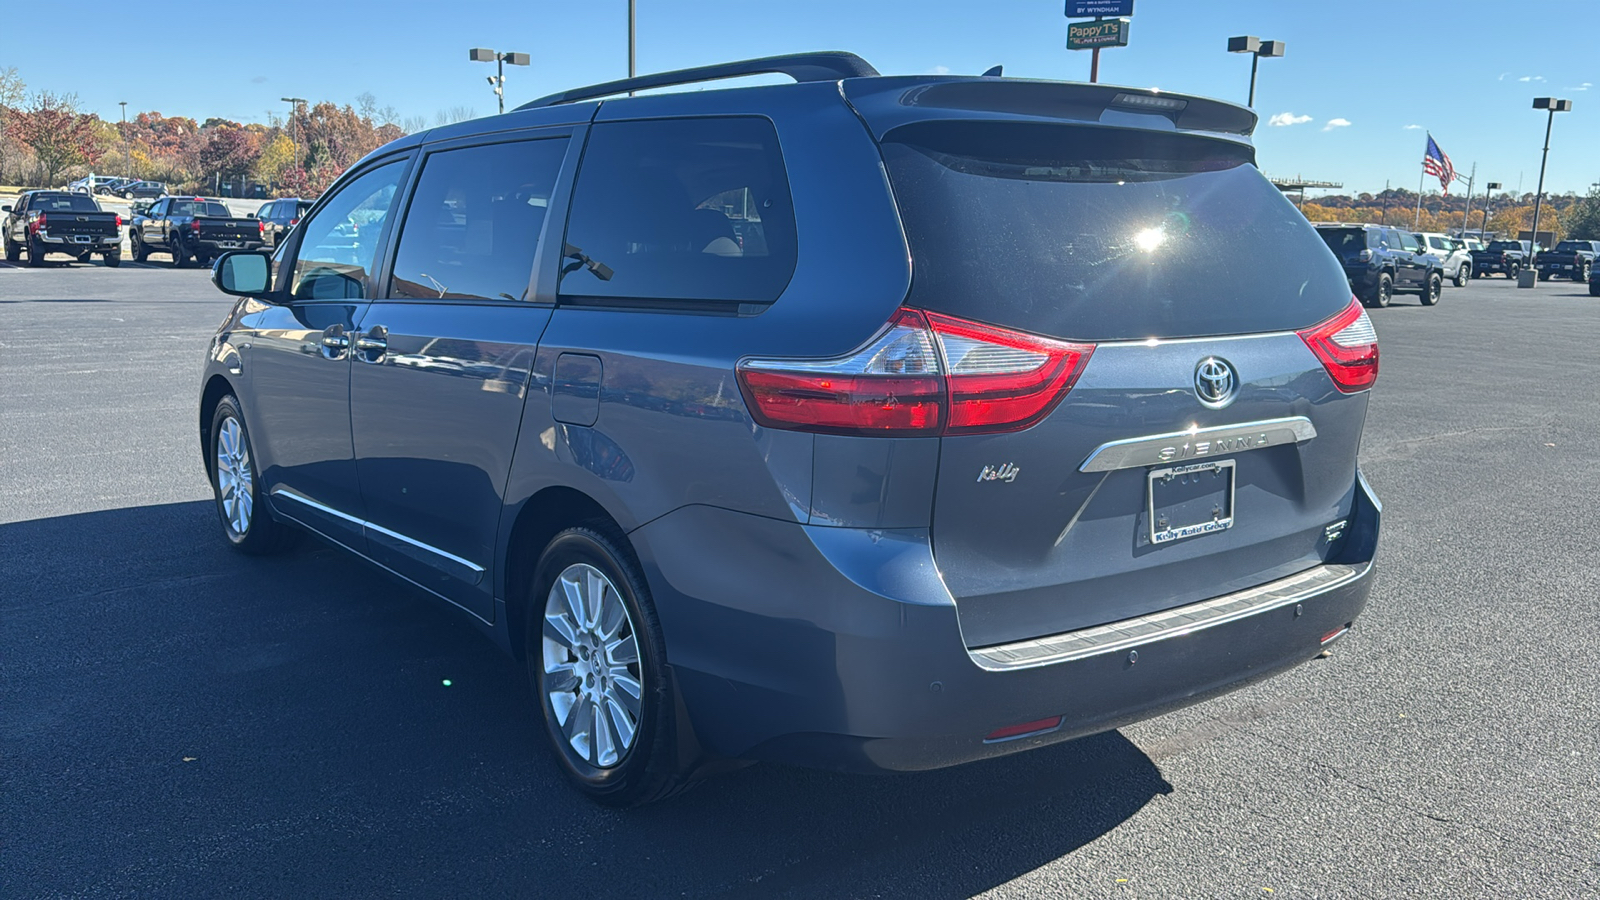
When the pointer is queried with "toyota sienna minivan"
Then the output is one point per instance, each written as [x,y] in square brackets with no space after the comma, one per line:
[868,423]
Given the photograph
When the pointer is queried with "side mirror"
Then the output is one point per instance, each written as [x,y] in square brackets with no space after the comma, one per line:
[242,273]
[5,209]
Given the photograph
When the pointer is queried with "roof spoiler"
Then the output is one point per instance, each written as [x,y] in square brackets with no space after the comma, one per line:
[828,65]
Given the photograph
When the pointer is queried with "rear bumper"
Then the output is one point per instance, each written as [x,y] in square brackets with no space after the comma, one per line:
[94,242]
[840,648]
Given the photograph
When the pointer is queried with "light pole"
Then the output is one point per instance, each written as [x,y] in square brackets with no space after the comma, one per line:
[479,54]
[631,21]
[1257,48]
[1554,106]
[127,164]
[294,107]
[1490,188]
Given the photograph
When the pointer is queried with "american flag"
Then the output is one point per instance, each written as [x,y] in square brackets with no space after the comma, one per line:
[1438,164]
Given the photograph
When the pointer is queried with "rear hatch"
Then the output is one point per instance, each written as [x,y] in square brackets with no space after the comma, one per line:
[229,230]
[1348,243]
[1182,265]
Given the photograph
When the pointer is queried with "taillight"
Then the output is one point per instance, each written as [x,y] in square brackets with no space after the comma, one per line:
[1364,256]
[194,225]
[36,224]
[261,228]
[925,374]
[294,221]
[119,220]
[1347,346]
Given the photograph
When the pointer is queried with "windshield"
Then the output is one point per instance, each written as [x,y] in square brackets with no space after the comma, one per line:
[64,203]
[1505,245]
[1344,241]
[1092,233]
[1572,246]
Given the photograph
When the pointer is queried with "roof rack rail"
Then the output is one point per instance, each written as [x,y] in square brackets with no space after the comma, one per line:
[828,65]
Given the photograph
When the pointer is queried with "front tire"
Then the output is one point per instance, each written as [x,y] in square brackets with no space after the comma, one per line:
[140,251]
[13,250]
[1434,290]
[1462,274]
[596,658]
[236,484]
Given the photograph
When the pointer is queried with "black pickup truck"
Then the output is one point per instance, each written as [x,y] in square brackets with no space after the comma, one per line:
[45,222]
[1508,257]
[191,228]
[1570,259]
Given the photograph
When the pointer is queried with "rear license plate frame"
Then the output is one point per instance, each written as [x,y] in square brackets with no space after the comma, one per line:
[228,245]
[1164,531]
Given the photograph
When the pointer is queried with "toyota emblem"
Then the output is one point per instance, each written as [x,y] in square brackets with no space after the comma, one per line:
[1215,382]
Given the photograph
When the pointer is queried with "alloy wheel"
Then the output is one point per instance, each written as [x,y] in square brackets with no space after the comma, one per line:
[592,672]
[235,483]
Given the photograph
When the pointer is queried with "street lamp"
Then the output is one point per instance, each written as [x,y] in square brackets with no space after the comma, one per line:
[1490,188]
[1257,48]
[1554,106]
[294,107]
[479,54]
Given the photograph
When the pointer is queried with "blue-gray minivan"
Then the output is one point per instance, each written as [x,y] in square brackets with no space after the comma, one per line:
[869,423]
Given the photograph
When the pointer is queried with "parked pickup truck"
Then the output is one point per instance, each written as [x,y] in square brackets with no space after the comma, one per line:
[191,228]
[1570,259]
[45,222]
[1507,257]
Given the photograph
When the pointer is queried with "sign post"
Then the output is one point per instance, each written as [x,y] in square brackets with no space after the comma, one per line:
[1102,32]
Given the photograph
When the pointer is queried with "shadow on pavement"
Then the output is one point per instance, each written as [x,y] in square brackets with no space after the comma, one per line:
[176,719]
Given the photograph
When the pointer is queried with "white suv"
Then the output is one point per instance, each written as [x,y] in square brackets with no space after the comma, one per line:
[1453,256]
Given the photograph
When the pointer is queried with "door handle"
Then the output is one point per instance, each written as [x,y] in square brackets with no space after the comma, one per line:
[334,342]
[370,347]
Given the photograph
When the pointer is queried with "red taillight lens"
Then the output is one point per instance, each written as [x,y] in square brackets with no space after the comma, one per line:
[119,220]
[261,228]
[36,224]
[1003,380]
[890,387]
[926,374]
[194,226]
[295,221]
[1347,346]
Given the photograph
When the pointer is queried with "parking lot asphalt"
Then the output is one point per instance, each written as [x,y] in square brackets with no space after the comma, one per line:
[177,720]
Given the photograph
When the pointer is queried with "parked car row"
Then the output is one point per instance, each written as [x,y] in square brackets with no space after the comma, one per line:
[187,229]
[126,188]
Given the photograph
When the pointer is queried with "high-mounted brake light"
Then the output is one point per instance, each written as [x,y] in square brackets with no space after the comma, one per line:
[924,374]
[1347,346]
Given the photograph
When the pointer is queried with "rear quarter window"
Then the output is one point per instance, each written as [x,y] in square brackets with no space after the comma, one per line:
[674,211]
[1093,233]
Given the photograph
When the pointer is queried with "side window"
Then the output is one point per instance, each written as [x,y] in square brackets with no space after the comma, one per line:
[681,209]
[472,227]
[1407,242]
[159,210]
[1376,238]
[337,246]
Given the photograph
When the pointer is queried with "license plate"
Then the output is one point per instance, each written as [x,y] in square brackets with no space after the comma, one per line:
[228,245]
[1185,501]
[81,238]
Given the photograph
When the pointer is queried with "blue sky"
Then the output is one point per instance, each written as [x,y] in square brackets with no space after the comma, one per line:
[1389,69]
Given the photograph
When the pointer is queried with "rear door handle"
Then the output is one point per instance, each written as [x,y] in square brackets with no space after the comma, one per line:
[370,347]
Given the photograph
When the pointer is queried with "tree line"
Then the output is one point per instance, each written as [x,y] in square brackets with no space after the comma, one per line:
[1567,215]
[47,140]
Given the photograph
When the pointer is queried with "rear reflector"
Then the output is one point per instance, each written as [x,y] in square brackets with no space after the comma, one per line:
[925,374]
[1347,346]
[1024,729]
[1335,634]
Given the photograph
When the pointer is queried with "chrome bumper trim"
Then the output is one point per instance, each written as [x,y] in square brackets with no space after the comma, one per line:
[1133,633]
[1198,443]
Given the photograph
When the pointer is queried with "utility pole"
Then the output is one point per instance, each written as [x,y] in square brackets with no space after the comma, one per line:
[294,107]
[1465,216]
[127,161]
[498,80]
[1488,189]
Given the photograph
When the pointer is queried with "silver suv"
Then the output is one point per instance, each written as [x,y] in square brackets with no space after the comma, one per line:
[1454,255]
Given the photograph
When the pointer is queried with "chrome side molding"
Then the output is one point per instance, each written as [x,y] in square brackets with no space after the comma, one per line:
[1198,443]
[1120,637]
[465,570]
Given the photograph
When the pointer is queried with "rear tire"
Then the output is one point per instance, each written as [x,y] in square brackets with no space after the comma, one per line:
[236,486]
[35,253]
[1434,290]
[180,257]
[114,259]
[1581,273]
[1462,274]
[584,672]
[1512,269]
[1544,274]
[1594,289]
[1382,292]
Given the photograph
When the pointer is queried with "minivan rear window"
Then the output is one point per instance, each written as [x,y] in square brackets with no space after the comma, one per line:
[1099,234]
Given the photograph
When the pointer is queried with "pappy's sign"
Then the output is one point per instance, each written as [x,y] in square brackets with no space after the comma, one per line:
[1103,33]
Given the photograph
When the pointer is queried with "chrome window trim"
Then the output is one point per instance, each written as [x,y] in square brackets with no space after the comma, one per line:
[1197,443]
[1130,634]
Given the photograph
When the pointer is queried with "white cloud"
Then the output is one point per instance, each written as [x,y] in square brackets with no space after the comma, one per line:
[1502,76]
[1336,123]
[1527,78]
[1413,128]
[1287,118]
[940,70]
[1582,87]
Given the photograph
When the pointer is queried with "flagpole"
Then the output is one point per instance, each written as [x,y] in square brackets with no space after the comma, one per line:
[1468,214]
[1417,219]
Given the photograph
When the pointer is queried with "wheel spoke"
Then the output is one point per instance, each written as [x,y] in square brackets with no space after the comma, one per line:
[612,616]
[594,591]
[631,689]
[622,718]
[580,729]
[622,651]
[560,679]
[573,593]
[605,741]
[560,627]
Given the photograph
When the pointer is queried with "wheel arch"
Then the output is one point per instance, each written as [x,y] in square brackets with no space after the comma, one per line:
[543,516]
[216,388]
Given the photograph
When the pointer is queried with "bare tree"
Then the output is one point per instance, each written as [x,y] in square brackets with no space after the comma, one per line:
[388,116]
[454,114]
[413,124]
[366,105]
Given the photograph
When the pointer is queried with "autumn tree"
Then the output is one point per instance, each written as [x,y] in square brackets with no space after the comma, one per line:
[229,152]
[276,156]
[12,91]
[59,135]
